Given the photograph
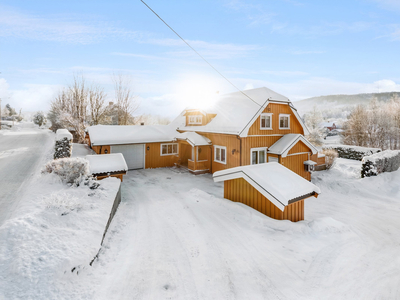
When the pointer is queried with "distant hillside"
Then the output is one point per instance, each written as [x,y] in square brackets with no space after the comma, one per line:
[340,101]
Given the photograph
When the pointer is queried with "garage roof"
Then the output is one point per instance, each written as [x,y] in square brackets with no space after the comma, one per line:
[130,134]
[276,182]
[285,143]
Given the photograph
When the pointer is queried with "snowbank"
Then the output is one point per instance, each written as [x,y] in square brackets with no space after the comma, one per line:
[58,238]
[386,161]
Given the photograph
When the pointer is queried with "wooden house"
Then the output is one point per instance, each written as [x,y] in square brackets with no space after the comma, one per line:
[269,188]
[256,127]
[103,166]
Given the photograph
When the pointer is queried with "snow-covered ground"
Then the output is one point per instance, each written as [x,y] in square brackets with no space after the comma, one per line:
[174,237]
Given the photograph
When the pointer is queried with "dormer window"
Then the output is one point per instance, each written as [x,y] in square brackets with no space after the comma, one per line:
[284,121]
[195,120]
[266,121]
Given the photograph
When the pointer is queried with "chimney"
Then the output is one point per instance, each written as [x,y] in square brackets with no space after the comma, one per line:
[141,123]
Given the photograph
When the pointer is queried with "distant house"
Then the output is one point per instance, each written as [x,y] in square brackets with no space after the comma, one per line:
[269,188]
[329,125]
[235,131]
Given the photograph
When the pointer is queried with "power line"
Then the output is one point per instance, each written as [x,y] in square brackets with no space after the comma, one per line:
[198,53]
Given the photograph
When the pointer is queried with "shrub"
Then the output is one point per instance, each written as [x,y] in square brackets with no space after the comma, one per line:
[62,148]
[70,170]
[330,157]
[353,152]
[386,161]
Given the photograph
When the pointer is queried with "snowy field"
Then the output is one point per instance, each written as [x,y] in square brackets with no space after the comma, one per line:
[174,237]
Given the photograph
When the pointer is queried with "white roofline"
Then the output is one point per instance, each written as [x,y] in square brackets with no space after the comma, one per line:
[241,174]
[285,152]
[245,130]
[294,110]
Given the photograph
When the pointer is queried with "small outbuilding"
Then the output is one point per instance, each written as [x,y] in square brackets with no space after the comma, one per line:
[110,165]
[270,188]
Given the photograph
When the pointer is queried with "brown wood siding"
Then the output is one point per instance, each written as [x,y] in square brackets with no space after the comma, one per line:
[277,109]
[255,142]
[101,149]
[120,176]
[239,190]
[320,160]
[295,163]
[231,142]
[299,148]
[154,159]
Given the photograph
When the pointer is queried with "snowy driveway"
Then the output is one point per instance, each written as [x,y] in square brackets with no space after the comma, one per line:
[21,149]
[174,237]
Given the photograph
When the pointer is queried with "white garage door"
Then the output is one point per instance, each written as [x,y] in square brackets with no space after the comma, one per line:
[133,154]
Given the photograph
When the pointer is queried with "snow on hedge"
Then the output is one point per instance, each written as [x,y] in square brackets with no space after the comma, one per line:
[63,133]
[386,161]
[70,170]
[352,152]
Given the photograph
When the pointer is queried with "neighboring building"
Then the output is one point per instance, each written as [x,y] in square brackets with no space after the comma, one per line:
[329,126]
[269,188]
[236,131]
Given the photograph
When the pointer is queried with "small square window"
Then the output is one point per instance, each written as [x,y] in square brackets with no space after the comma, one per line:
[220,154]
[284,121]
[266,121]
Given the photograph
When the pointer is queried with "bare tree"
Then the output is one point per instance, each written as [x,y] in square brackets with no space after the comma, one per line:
[313,120]
[126,102]
[97,98]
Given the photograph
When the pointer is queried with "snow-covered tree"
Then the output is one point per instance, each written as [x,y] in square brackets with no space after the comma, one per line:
[313,120]
[39,118]
[62,148]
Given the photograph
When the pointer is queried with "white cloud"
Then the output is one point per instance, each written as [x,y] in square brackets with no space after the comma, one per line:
[59,28]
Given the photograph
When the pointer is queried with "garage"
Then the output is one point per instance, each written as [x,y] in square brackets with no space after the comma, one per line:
[133,154]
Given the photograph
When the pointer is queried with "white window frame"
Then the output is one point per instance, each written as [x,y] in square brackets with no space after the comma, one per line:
[166,144]
[195,120]
[215,154]
[276,159]
[270,123]
[258,150]
[284,115]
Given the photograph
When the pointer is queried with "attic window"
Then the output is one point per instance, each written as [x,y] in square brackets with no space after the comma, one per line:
[196,120]
[266,121]
[284,121]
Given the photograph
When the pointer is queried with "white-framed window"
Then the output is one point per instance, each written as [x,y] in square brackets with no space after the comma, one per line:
[266,121]
[220,154]
[258,155]
[169,149]
[284,121]
[273,159]
[196,120]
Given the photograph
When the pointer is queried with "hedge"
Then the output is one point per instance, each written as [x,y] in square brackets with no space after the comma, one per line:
[386,161]
[353,152]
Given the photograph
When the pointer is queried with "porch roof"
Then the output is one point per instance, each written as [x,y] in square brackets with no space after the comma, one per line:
[285,143]
[194,139]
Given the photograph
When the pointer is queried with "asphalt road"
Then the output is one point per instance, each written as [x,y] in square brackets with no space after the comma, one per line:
[21,151]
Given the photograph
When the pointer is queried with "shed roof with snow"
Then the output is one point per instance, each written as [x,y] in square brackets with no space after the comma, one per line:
[275,182]
[235,112]
[130,134]
[107,163]
[285,143]
[63,133]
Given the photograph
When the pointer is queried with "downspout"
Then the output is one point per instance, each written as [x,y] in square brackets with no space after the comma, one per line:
[240,153]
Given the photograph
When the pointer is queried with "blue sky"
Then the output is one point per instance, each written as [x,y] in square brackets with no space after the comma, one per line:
[297,48]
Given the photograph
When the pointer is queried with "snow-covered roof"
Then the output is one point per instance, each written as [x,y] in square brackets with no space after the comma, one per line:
[310,162]
[63,133]
[130,134]
[285,143]
[194,138]
[276,182]
[235,112]
[107,163]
